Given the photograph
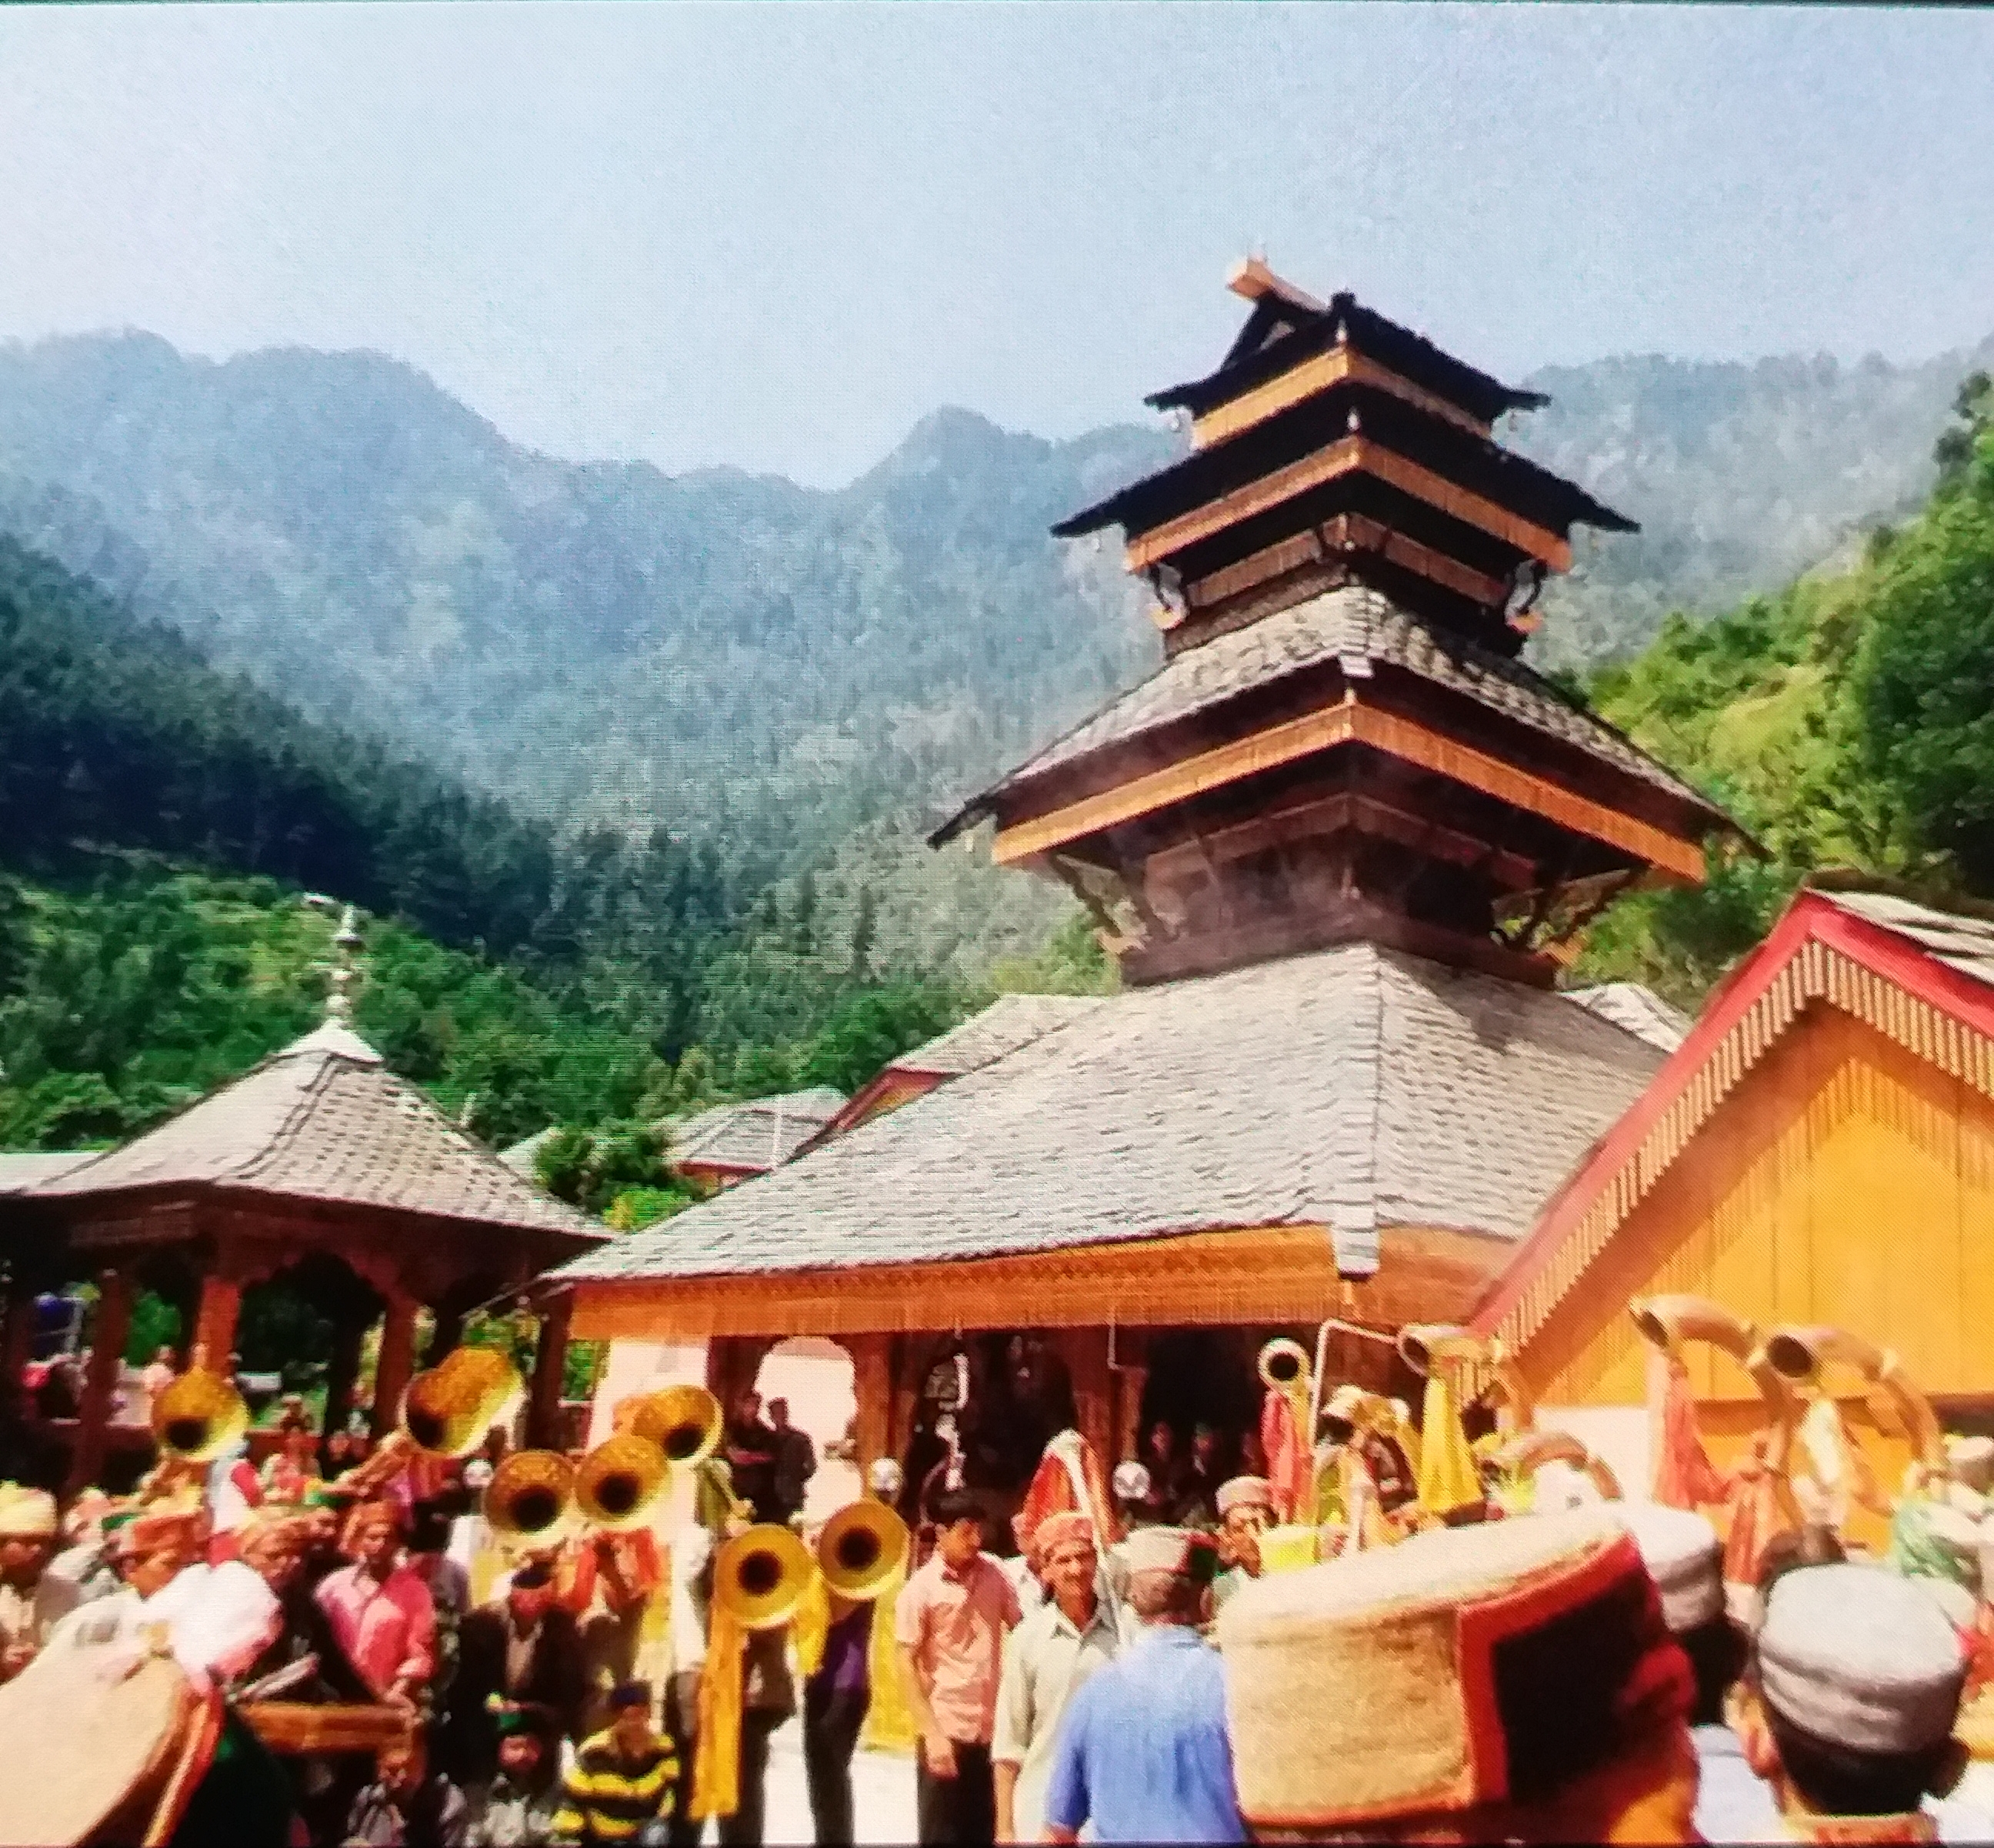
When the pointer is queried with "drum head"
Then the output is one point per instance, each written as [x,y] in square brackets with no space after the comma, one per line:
[86,1757]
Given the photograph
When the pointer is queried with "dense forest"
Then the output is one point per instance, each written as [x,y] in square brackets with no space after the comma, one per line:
[1847,722]
[160,822]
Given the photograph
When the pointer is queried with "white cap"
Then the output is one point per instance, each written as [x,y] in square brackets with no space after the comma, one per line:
[1684,1557]
[1857,1655]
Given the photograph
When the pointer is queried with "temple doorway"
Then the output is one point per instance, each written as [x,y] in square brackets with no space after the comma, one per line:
[1203,1376]
[815,1376]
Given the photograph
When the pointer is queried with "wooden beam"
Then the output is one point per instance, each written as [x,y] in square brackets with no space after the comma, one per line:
[1346,724]
[544,1404]
[1347,455]
[1252,279]
[1257,568]
[1357,532]
[1315,375]
[1325,814]
[1267,1273]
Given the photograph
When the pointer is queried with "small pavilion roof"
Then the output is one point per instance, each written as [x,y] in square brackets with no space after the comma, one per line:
[1354,1088]
[325,1122]
[752,1136]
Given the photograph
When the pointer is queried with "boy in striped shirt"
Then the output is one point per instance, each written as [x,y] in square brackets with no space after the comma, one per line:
[623,1778]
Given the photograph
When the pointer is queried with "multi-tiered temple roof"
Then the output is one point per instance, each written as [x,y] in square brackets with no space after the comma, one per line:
[1340,743]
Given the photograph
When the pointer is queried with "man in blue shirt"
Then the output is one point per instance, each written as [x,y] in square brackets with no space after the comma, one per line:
[1142,1752]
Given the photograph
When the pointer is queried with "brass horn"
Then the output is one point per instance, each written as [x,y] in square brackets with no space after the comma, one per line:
[1666,1322]
[760,1577]
[530,1500]
[1424,1345]
[1525,1455]
[685,1422]
[198,1416]
[449,1412]
[1799,1354]
[860,1549]
[1285,1366]
[620,1483]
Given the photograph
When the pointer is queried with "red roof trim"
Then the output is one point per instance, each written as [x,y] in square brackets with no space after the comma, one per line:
[1811,917]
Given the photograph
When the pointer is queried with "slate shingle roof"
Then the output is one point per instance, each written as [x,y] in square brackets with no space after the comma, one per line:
[1007,1023]
[324,1121]
[1962,943]
[763,1133]
[1358,1086]
[19,1173]
[1352,620]
[1639,1010]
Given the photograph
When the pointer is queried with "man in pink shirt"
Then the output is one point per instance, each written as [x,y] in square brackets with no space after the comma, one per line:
[380,1610]
[949,1622]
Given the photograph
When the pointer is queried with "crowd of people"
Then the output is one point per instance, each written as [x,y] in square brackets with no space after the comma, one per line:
[1145,1669]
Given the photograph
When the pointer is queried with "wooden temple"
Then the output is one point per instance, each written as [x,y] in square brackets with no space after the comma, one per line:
[1820,1150]
[321,1168]
[1340,843]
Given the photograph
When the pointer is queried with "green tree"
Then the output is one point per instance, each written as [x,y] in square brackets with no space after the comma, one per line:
[868,1029]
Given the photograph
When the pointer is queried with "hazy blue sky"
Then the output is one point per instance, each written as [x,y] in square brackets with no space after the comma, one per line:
[777,236]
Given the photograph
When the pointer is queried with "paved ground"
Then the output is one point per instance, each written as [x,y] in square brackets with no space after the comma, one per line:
[883,1789]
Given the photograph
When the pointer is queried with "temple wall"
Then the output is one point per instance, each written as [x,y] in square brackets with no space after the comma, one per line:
[1845,1182]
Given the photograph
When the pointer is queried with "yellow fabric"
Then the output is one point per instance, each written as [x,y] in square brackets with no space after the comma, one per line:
[716,1771]
[889,1723]
[1448,1477]
[812,1625]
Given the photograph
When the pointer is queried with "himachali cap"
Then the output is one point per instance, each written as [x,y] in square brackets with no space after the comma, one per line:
[1972,1459]
[1856,1656]
[1170,1552]
[1130,1483]
[1684,1557]
[1245,1492]
[1462,1666]
[1057,1530]
[885,1479]
[26,1514]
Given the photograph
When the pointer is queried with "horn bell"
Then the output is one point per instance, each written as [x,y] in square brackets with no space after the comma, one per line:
[620,1482]
[1426,1345]
[530,1500]
[1284,1365]
[685,1422]
[760,1577]
[449,1414]
[198,1416]
[860,1549]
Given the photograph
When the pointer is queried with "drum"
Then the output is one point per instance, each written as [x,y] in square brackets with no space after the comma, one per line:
[91,1754]
[294,1729]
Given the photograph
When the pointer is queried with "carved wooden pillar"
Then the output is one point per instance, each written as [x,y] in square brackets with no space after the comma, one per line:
[1131,1376]
[908,1352]
[872,1387]
[446,1337]
[543,1409]
[396,1363]
[107,1355]
[1085,1352]
[733,1363]
[215,1321]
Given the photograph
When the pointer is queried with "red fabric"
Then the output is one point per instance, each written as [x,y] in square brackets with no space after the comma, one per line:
[1684,1476]
[1288,1460]
[1052,1492]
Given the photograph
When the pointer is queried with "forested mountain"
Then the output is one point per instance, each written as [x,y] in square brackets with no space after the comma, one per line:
[800,678]
[1848,722]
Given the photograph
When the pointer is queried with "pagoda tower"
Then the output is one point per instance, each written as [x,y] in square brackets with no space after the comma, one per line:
[1342,743]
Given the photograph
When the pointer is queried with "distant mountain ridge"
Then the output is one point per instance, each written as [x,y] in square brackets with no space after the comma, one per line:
[802,676]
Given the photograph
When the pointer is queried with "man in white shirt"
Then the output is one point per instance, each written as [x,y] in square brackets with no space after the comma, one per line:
[1049,1656]
[34,1600]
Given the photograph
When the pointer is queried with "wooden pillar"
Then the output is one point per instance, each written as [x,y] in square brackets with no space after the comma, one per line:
[543,1410]
[1085,1353]
[733,1364]
[1131,1376]
[872,1387]
[215,1321]
[396,1362]
[107,1355]
[343,1374]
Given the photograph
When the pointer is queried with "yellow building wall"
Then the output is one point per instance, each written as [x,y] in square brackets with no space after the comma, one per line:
[1845,1182]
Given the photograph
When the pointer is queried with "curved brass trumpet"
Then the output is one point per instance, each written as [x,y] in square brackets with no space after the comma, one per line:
[1284,1366]
[448,1411]
[198,1416]
[620,1483]
[1527,1454]
[760,1577]
[530,1500]
[1667,1322]
[860,1549]
[1423,1346]
[685,1422]
[1798,1354]
[1486,1374]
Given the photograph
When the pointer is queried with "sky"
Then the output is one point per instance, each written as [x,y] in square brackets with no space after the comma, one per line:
[777,236]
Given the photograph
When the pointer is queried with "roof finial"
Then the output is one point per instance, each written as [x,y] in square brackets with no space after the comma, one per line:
[345,976]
